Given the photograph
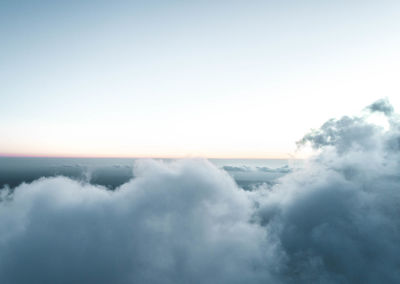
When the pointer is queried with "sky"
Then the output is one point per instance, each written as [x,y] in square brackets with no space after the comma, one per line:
[237,79]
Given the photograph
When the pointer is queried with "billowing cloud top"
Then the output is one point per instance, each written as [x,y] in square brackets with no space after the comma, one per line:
[336,220]
[381,105]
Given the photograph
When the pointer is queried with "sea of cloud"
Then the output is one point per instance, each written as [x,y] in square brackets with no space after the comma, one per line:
[334,220]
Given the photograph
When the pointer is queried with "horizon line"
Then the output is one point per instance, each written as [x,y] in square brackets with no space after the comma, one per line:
[146,157]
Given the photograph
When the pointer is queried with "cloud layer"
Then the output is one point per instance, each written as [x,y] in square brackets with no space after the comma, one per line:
[179,223]
[336,220]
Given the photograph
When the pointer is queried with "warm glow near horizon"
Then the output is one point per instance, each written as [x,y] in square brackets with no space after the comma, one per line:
[161,155]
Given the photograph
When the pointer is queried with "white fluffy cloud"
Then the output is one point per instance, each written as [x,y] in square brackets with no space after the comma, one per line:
[336,220]
[185,222]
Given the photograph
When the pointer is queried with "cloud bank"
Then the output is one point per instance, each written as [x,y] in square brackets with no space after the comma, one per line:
[335,220]
[252,177]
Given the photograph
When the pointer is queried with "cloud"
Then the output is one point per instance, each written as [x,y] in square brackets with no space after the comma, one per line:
[252,177]
[236,169]
[184,222]
[244,168]
[383,106]
[344,134]
[335,220]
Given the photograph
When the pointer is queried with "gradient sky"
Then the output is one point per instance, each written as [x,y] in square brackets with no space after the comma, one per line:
[188,78]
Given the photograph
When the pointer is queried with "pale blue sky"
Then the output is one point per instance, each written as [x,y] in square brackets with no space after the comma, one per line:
[183,78]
